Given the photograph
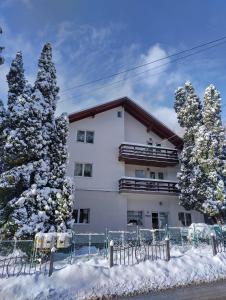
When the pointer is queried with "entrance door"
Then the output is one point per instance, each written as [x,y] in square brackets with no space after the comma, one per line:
[159,220]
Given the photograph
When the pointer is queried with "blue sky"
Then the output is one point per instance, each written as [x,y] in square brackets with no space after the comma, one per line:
[94,38]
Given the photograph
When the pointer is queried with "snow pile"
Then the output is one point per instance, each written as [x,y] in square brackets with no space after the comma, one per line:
[87,279]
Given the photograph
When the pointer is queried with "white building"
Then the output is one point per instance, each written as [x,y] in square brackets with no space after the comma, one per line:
[124,164]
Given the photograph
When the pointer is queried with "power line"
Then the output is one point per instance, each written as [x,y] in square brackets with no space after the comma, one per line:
[145,71]
[143,65]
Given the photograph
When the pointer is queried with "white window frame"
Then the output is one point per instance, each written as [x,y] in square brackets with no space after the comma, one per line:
[85,130]
[136,212]
[83,169]
[163,176]
[140,170]
[185,219]
[158,213]
[78,216]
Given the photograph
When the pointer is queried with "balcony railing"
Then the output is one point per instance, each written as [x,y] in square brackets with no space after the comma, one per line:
[148,155]
[132,184]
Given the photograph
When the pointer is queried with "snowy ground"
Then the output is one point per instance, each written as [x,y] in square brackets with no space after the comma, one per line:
[92,279]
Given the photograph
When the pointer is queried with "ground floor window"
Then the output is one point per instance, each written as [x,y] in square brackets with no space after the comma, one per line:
[134,217]
[159,220]
[82,215]
[185,218]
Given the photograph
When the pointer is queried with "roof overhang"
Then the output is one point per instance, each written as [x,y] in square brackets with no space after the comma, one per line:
[137,112]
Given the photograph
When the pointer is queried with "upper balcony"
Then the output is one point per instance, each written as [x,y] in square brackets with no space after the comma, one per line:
[139,154]
[146,185]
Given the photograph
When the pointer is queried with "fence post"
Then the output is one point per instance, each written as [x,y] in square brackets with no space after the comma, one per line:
[111,248]
[167,249]
[214,244]
[51,261]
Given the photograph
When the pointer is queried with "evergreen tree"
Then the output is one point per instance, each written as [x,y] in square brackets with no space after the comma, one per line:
[188,108]
[1,48]
[3,121]
[64,198]
[210,155]
[15,177]
[47,204]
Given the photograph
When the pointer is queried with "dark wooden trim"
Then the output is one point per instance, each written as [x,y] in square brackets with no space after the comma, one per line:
[137,112]
[144,185]
[146,155]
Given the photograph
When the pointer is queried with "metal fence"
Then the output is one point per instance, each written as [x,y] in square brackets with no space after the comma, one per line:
[21,257]
[23,265]
[134,254]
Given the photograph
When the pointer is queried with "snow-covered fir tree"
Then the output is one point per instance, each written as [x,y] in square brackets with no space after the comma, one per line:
[14,179]
[1,48]
[51,194]
[188,108]
[210,155]
[37,196]
[62,184]
[3,122]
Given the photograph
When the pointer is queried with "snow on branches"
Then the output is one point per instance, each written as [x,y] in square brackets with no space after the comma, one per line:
[202,173]
[34,191]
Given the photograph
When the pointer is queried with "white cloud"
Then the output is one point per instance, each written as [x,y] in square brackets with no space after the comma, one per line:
[86,53]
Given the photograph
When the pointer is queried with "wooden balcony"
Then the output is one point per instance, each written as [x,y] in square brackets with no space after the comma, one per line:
[148,155]
[132,184]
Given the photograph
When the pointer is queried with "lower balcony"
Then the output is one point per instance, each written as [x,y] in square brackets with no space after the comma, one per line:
[133,184]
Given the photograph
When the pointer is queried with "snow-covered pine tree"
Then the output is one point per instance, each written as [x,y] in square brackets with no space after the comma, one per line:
[1,48]
[51,193]
[188,108]
[210,155]
[62,184]
[3,120]
[17,169]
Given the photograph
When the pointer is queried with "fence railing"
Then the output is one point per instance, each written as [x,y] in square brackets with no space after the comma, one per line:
[23,265]
[148,154]
[127,184]
[133,254]
[21,257]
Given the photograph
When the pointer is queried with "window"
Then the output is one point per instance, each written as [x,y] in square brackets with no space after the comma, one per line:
[85,170]
[159,220]
[90,137]
[185,218]
[82,215]
[149,142]
[119,114]
[140,173]
[81,136]
[85,136]
[78,169]
[134,217]
[158,145]
[88,170]
[152,175]
[160,175]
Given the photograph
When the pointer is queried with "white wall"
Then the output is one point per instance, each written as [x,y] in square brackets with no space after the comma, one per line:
[136,132]
[103,154]
[149,203]
[169,172]
[107,210]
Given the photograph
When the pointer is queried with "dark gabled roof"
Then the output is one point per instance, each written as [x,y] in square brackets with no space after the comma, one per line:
[137,112]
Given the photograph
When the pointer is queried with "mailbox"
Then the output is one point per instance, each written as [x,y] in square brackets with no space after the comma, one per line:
[39,240]
[49,240]
[63,240]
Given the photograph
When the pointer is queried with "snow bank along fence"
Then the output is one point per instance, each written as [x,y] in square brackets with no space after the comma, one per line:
[131,254]
[218,245]
[20,257]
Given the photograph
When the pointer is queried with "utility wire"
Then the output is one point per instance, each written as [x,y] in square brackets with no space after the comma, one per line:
[145,71]
[143,65]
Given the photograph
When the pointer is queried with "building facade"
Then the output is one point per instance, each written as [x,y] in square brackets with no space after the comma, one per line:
[124,164]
